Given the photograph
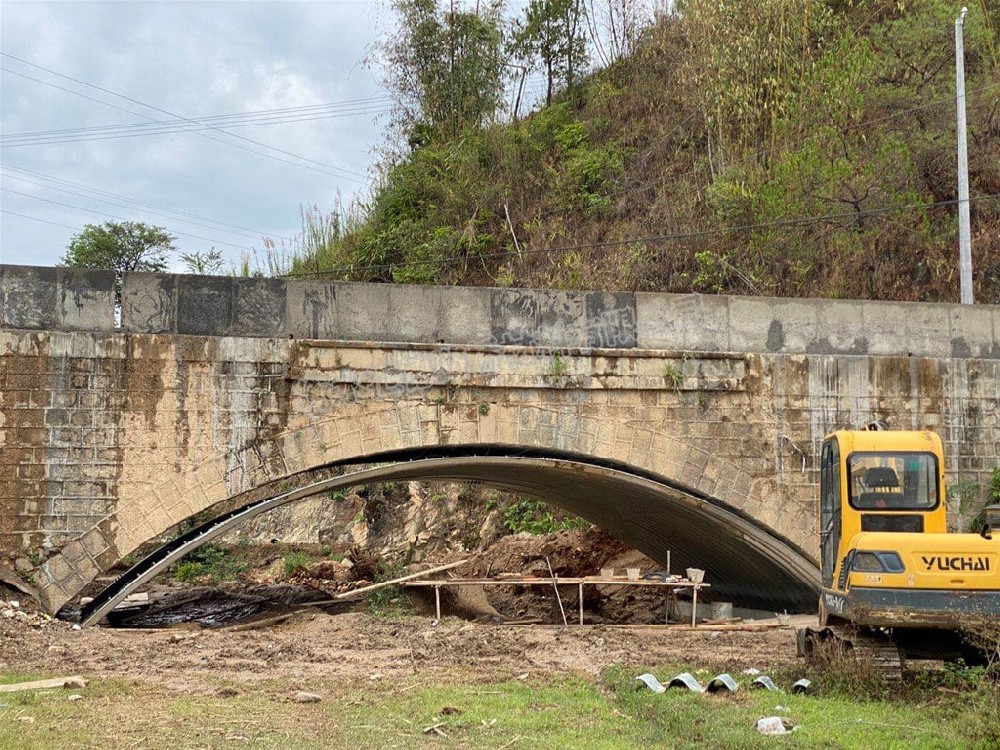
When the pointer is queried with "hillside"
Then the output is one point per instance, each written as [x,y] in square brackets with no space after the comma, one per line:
[782,147]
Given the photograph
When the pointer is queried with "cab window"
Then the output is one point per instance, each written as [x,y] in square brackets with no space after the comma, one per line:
[893,481]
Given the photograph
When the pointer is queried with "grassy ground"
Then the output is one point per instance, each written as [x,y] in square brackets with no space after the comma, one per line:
[567,713]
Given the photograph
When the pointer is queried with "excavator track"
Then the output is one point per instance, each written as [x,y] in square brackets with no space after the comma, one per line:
[871,647]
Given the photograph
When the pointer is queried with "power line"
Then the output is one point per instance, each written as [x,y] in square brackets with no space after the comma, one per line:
[804,221]
[110,132]
[120,218]
[98,191]
[35,218]
[308,162]
[251,114]
[139,204]
[188,129]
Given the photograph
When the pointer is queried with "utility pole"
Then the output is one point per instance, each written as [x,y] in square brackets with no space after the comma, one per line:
[964,230]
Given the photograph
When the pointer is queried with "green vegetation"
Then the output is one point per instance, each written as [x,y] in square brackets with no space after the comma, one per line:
[672,376]
[293,561]
[571,712]
[388,600]
[211,562]
[557,365]
[772,147]
[535,517]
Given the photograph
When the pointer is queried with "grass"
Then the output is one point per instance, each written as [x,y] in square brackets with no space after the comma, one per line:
[569,712]
[293,561]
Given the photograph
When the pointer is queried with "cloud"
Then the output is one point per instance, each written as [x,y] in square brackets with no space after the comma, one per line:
[193,59]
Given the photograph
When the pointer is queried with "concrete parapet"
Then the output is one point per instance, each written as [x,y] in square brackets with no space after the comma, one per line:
[65,299]
[61,299]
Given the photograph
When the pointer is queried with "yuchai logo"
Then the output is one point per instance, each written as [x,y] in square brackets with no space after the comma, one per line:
[959,562]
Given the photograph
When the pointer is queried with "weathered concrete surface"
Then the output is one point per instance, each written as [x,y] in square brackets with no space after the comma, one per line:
[107,438]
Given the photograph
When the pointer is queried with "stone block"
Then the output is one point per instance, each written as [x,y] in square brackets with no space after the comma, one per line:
[886,326]
[258,308]
[840,328]
[611,320]
[538,318]
[414,313]
[364,312]
[972,332]
[86,299]
[465,316]
[679,322]
[29,298]
[204,305]
[149,303]
[94,543]
[755,326]
[798,326]
[311,310]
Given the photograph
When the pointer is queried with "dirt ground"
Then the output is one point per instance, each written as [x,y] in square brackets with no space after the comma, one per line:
[358,646]
[353,644]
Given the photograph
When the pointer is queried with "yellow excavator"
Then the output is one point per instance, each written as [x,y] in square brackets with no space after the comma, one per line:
[895,584]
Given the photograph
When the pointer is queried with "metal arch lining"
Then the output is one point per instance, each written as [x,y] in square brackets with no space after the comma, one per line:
[654,517]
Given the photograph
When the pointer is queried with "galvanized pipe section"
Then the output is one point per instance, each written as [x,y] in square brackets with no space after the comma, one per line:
[746,563]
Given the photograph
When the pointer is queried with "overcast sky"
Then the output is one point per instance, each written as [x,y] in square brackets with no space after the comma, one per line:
[195,60]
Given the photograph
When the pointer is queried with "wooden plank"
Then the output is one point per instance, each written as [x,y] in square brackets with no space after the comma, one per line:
[58,682]
[411,576]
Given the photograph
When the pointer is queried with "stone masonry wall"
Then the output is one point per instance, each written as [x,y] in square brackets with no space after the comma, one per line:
[109,436]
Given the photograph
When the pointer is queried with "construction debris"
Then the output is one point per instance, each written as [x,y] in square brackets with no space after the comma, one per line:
[394,581]
[766,683]
[686,680]
[651,682]
[801,686]
[722,682]
[771,725]
[75,682]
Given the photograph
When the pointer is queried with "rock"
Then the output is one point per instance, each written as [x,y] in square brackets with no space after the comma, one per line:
[77,683]
[303,697]
[7,613]
[75,697]
[23,565]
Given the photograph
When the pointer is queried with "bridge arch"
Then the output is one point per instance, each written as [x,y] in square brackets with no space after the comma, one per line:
[608,438]
[748,563]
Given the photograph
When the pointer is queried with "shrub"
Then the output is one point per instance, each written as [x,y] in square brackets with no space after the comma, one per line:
[534,517]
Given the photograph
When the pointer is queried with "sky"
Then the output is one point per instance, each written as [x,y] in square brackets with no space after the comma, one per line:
[169,61]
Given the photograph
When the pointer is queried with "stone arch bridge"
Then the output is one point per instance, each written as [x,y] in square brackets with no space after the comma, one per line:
[686,423]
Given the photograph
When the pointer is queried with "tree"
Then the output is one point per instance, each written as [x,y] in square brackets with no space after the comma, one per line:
[121,247]
[551,35]
[445,68]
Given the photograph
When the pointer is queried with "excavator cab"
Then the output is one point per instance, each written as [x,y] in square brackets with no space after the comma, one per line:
[877,481]
[892,577]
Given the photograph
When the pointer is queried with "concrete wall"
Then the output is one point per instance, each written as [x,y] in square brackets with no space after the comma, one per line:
[62,299]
